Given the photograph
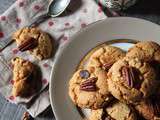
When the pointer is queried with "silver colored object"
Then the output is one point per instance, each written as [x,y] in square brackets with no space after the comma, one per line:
[55,8]
[117,5]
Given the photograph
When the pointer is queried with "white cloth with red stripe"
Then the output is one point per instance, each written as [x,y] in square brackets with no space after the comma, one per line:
[21,13]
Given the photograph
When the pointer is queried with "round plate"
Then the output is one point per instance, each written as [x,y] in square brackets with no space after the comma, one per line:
[80,44]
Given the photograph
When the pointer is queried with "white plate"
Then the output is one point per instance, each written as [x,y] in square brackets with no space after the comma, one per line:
[79,45]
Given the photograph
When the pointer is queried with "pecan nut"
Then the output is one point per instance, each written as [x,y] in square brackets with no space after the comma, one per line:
[129,75]
[107,66]
[89,84]
[28,44]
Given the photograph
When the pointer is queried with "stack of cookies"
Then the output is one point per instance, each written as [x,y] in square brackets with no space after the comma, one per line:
[117,85]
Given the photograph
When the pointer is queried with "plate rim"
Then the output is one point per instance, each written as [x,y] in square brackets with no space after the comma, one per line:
[59,53]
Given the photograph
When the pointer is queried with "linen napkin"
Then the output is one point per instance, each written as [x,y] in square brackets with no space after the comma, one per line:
[78,15]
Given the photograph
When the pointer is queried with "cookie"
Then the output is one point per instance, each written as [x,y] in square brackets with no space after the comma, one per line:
[115,111]
[24,76]
[97,115]
[150,108]
[105,57]
[120,111]
[27,116]
[37,42]
[147,51]
[130,80]
[88,88]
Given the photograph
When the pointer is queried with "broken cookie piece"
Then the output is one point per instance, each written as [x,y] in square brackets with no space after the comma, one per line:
[24,76]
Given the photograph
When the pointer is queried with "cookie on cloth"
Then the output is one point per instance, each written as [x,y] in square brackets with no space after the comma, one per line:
[105,57]
[88,88]
[24,76]
[37,42]
[147,51]
[130,80]
[115,111]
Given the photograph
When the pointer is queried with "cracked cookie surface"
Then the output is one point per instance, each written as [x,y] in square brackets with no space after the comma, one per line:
[115,111]
[147,51]
[89,89]
[105,57]
[131,80]
[97,115]
[37,42]
[24,75]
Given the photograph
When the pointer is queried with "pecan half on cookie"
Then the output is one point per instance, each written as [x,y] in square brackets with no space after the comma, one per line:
[89,88]
[37,42]
[28,44]
[131,80]
[89,84]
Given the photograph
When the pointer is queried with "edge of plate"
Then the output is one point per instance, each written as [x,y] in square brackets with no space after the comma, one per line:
[58,54]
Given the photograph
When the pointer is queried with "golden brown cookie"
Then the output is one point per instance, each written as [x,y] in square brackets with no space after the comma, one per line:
[105,57]
[120,111]
[131,80]
[115,111]
[24,75]
[147,51]
[37,42]
[88,88]
[99,114]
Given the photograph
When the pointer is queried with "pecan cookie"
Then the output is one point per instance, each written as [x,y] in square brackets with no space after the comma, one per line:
[115,111]
[24,76]
[131,80]
[37,42]
[105,57]
[150,108]
[147,51]
[89,88]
